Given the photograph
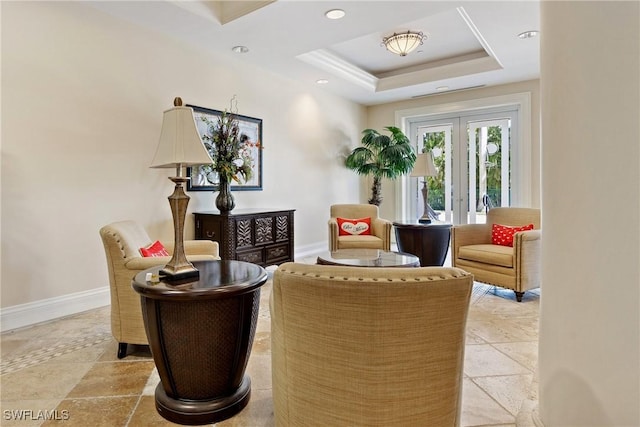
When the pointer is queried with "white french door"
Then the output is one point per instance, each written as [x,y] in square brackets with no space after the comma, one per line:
[437,136]
[473,154]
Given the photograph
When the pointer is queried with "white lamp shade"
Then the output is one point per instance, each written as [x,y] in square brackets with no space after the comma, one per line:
[424,165]
[180,143]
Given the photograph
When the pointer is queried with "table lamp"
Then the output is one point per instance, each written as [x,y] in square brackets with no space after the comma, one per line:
[424,167]
[180,145]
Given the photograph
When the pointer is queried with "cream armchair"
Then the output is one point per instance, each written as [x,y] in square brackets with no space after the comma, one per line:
[380,237]
[517,267]
[354,346]
[122,242]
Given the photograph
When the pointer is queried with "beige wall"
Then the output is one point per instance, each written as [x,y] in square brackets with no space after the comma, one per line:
[589,363]
[82,102]
[383,115]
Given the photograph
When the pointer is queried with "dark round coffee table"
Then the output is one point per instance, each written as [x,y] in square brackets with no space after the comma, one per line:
[368,258]
[200,333]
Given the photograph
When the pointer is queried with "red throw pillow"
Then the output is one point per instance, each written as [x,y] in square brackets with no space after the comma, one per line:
[503,234]
[354,227]
[156,249]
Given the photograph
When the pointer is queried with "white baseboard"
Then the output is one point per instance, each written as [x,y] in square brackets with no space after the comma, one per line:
[31,313]
[311,250]
[537,421]
[18,316]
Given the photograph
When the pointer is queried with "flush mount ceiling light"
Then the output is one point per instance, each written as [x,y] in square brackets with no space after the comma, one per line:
[528,34]
[403,43]
[335,14]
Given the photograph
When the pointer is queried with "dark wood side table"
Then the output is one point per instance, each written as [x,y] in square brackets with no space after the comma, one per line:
[200,334]
[429,242]
[260,236]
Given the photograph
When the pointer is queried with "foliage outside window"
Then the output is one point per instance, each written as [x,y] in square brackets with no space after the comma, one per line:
[493,164]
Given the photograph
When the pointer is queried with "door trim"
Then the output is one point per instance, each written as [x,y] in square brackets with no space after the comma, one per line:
[521,101]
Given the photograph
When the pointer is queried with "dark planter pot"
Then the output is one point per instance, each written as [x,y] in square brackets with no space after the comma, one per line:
[200,334]
[429,242]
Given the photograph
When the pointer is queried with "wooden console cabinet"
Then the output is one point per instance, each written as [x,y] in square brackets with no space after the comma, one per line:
[263,237]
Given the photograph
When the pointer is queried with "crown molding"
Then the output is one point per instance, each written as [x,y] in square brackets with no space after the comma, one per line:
[337,66]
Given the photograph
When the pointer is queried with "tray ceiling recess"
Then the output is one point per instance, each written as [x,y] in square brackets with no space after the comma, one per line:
[453,47]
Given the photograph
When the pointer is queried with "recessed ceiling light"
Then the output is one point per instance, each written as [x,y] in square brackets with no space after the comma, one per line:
[322,81]
[240,49]
[528,34]
[335,14]
[441,88]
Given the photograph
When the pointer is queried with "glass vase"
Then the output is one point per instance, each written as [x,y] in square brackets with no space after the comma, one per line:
[224,200]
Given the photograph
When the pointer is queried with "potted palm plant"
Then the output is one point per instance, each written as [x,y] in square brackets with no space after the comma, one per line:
[382,156]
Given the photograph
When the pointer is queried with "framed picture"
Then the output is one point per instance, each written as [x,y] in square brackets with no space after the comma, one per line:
[204,178]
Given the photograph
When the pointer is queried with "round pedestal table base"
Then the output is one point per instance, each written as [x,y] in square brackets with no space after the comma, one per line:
[198,412]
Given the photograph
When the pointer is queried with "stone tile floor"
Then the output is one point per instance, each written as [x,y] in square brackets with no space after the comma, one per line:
[68,369]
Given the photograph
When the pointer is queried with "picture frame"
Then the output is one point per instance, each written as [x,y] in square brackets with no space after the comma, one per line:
[202,178]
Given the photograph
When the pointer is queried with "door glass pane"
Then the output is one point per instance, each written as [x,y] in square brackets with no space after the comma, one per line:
[437,139]
[488,167]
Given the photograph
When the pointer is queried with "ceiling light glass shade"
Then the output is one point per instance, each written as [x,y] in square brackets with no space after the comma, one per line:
[180,143]
[403,43]
[424,165]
